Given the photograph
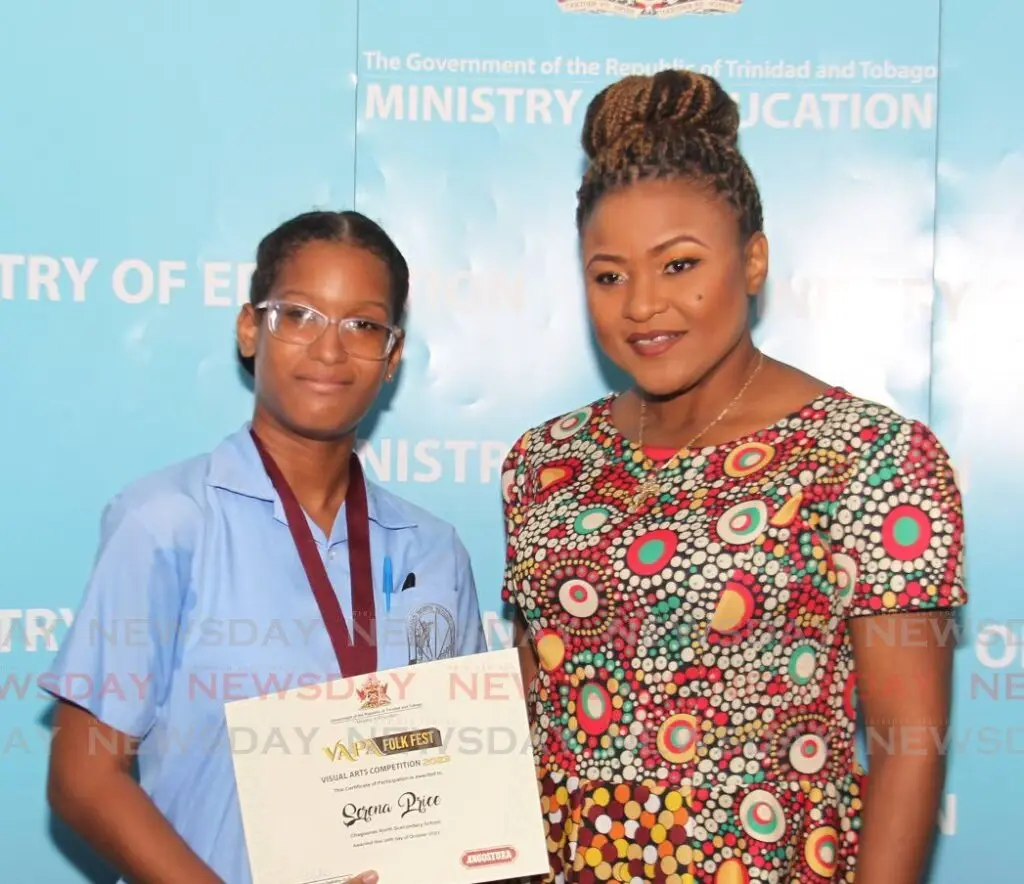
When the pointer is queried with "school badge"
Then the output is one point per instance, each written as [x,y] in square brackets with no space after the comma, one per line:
[431,630]
[648,8]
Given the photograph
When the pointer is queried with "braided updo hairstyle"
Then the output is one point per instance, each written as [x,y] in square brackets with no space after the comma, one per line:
[676,124]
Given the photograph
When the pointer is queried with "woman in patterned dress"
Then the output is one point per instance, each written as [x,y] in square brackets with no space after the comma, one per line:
[706,568]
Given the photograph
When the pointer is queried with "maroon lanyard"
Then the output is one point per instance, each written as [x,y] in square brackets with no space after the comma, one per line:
[360,657]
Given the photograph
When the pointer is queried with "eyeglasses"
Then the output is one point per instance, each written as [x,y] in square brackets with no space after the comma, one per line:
[296,323]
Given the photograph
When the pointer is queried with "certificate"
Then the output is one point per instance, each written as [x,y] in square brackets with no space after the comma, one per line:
[424,774]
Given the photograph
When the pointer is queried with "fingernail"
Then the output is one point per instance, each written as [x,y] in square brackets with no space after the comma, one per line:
[370,878]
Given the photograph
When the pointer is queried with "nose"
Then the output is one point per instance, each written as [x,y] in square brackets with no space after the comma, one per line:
[643,299]
[328,348]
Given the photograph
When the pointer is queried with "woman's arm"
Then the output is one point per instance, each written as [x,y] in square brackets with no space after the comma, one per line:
[91,788]
[904,670]
[898,527]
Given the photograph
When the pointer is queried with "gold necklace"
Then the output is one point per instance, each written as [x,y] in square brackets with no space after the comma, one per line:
[650,485]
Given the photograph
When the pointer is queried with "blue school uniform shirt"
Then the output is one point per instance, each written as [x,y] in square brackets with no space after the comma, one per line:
[197,597]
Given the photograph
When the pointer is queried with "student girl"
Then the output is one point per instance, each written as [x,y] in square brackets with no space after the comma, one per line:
[269,563]
[710,566]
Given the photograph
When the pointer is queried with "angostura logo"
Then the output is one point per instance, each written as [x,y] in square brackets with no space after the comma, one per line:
[373,694]
[488,856]
[656,8]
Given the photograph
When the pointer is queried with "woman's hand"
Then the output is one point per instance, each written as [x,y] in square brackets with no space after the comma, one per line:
[527,656]
[364,878]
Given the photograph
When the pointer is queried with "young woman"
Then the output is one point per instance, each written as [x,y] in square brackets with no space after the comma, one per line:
[268,564]
[708,566]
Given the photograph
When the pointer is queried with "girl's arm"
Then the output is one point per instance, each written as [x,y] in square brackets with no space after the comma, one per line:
[91,788]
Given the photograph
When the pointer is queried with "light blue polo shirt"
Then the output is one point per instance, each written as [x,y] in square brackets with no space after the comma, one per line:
[198,597]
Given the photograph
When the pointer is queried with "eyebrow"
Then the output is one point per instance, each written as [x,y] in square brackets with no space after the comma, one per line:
[656,250]
[306,297]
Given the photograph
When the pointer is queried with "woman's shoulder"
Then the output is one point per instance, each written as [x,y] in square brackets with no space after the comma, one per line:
[862,425]
[537,440]
[841,406]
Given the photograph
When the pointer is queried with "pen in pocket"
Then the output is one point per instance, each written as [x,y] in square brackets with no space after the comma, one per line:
[388,585]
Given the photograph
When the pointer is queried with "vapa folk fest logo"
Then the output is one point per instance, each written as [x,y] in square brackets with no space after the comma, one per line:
[656,8]
[373,694]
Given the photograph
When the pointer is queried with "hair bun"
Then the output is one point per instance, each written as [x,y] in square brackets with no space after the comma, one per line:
[670,104]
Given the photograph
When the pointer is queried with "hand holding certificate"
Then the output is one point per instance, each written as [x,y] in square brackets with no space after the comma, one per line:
[424,774]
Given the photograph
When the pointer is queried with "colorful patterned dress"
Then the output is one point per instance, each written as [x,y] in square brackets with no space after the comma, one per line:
[694,711]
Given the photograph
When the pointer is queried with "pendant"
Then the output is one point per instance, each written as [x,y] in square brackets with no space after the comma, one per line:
[645,490]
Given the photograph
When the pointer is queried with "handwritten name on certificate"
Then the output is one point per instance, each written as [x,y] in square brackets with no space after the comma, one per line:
[425,774]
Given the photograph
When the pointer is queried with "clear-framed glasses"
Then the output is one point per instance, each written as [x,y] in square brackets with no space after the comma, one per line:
[296,323]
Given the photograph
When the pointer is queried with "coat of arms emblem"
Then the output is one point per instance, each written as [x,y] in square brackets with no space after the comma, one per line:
[373,694]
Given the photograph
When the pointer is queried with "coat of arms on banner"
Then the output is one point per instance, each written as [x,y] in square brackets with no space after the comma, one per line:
[431,631]
[373,694]
[656,8]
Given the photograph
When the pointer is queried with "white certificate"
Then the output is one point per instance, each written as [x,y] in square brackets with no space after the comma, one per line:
[424,774]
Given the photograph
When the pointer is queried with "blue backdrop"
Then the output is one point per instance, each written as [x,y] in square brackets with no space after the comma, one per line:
[147,148]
